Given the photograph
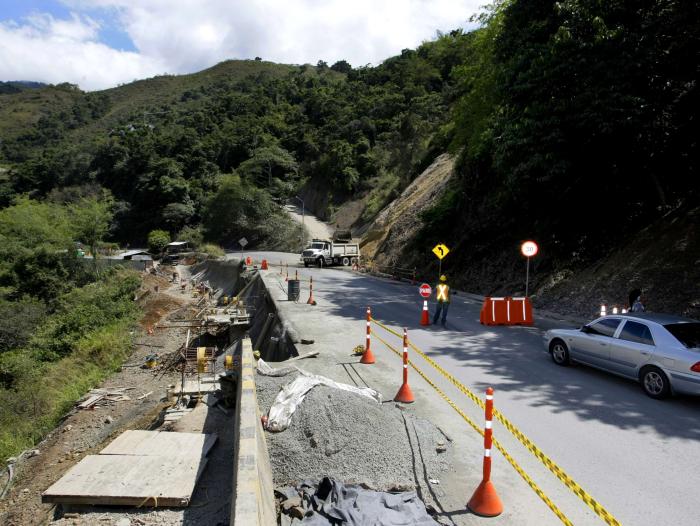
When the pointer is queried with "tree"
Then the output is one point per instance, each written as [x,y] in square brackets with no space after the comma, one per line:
[158,240]
[342,66]
[268,162]
[91,218]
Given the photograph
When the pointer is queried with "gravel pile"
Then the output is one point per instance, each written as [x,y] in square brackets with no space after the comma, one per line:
[348,437]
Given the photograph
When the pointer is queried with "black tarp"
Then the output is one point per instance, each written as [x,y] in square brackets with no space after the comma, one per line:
[333,503]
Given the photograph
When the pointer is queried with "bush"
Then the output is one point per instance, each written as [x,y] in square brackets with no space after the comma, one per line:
[18,320]
[212,250]
[193,235]
[157,241]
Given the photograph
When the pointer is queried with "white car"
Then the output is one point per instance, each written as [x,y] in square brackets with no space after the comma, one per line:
[660,351]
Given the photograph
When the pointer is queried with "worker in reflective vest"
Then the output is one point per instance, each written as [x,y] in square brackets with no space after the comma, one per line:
[443,300]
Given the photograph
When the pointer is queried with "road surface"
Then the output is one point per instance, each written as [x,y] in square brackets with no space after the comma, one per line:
[637,456]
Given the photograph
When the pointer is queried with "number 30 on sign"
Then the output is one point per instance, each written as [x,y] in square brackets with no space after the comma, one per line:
[529,249]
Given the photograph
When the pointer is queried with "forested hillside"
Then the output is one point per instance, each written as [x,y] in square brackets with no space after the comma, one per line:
[573,123]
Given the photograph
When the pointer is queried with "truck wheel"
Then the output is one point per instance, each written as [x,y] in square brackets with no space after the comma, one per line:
[306,264]
[346,262]
[319,262]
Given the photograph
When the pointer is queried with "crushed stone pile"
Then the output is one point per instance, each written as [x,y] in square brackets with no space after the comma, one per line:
[349,437]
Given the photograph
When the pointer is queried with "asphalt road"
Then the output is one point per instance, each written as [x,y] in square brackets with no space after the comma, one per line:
[637,456]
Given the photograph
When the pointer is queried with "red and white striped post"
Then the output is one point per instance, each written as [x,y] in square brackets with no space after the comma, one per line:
[286,266]
[311,300]
[367,356]
[405,395]
[485,501]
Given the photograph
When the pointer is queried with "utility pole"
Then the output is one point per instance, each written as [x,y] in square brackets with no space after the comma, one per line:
[303,228]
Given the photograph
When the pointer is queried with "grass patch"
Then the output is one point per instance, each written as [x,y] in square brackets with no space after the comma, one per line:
[36,394]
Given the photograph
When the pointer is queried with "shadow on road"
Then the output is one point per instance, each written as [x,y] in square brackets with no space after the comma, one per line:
[513,354]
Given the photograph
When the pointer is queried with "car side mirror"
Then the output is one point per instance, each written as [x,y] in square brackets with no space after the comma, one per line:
[586,329]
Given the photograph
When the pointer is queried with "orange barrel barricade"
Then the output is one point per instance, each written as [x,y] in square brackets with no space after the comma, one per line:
[494,311]
[521,311]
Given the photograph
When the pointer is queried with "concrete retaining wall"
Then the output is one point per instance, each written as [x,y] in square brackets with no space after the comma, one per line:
[253,502]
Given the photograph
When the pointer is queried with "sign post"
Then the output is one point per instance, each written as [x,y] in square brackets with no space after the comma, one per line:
[528,249]
[440,251]
[243,242]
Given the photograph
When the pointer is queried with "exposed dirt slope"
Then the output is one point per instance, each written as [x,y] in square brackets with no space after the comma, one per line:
[663,260]
[386,237]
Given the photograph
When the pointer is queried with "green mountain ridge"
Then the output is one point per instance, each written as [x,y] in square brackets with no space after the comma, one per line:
[572,123]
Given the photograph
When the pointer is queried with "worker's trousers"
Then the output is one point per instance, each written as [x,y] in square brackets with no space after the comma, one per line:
[442,306]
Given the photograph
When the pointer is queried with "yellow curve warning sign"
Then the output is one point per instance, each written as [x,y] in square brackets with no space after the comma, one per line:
[441,251]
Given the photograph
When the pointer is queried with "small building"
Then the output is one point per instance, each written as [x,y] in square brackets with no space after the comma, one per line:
[135,255]
[176,247]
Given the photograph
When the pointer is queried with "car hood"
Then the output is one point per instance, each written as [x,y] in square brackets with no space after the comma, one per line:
[563,332]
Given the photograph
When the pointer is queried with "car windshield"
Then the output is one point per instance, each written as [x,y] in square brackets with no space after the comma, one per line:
[686,333]
[317,245]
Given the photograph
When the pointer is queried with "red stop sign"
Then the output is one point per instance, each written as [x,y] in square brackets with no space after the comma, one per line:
[425,290]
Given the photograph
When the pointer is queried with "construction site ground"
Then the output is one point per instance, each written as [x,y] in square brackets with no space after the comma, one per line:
[87,431]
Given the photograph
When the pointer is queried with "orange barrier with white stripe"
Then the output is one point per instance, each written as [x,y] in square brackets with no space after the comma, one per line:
[506,311]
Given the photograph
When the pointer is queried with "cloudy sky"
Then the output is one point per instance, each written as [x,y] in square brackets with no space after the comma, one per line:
[101,43]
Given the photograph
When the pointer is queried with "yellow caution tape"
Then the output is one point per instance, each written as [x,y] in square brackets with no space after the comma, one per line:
[496,443]
[549,463]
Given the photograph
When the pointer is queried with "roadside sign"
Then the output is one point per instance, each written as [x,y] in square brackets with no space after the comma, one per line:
[425,290]
[441,251]
[243,242]
[529,249]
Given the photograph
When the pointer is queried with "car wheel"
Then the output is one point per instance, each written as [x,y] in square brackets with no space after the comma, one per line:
[655,383]
[559,352]
[346,262]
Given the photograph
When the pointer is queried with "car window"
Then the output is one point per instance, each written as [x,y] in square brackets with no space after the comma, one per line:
[686,333]
[636,332]
[605,327]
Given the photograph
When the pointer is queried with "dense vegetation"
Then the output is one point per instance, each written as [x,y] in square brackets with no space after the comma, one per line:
[63,326]
[276,129]
[576,127]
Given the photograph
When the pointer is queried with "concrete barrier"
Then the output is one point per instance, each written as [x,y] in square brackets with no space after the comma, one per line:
[253,501]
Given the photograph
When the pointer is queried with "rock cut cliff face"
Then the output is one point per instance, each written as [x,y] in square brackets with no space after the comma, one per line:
[387,236]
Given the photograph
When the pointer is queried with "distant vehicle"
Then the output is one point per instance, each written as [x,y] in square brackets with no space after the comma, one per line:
[322,252]
[660,351]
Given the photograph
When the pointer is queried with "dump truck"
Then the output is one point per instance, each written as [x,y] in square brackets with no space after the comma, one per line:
[324,252]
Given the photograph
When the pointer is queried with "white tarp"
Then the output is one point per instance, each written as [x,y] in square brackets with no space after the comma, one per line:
[292,394]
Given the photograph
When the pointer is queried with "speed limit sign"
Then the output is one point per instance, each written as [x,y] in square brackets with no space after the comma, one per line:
[529,249]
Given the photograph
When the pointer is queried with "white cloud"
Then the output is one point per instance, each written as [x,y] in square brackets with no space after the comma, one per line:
[49,50]
[182,36]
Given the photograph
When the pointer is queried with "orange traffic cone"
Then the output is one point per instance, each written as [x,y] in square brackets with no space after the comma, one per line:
[405,395]
[367,356]
[425,316]
[485,501]
[263,266]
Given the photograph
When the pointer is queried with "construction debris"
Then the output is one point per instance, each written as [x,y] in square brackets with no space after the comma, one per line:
[139,468]
[102,397]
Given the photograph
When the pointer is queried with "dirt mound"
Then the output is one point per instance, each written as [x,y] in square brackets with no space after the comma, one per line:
[346,436]
[398,222]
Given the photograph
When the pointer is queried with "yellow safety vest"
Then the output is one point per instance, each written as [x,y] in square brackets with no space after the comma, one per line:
[443,292]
